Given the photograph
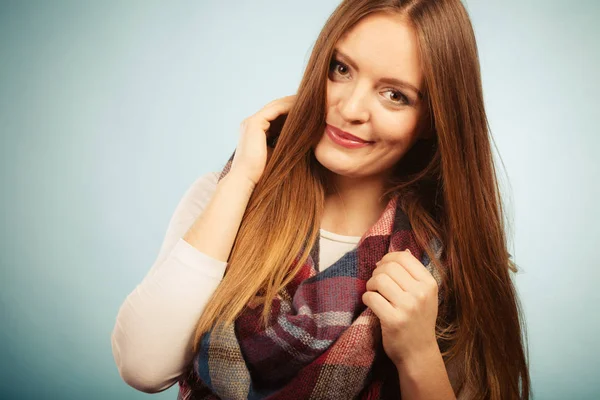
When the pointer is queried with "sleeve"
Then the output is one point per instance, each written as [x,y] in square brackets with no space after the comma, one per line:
[154,329]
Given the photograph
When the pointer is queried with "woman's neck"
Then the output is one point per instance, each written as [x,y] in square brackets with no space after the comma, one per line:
[352,205]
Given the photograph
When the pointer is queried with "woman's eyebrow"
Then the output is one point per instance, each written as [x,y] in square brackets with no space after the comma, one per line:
[390,81]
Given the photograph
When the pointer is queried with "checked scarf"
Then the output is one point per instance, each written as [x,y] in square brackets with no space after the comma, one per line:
[322,342]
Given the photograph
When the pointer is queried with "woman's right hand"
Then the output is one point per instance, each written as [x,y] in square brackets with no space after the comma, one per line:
[252,151]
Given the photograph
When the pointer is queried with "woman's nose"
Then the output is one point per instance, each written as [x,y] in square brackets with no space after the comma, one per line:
[353,105]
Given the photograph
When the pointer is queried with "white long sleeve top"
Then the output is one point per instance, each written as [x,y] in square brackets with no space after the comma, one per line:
[155,325]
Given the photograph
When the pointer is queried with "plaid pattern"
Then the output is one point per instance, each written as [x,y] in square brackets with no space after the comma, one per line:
[322,342]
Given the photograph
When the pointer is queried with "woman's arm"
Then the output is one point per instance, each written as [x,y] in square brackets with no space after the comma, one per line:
[425,377]
[214,232]
[154,329]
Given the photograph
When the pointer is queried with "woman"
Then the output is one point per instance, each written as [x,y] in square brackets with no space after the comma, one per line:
[386,148]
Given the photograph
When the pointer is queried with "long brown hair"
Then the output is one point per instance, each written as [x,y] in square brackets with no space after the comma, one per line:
[448,189]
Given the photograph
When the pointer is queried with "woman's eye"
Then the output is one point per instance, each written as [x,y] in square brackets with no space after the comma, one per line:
[397,97]
[339,68]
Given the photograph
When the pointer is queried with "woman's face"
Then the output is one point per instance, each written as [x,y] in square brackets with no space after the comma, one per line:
[372,93]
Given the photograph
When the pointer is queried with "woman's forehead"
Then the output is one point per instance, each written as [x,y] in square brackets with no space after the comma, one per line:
[384,45]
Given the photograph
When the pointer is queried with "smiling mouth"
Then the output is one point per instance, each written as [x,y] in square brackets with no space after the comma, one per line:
[342,139]
[345,135]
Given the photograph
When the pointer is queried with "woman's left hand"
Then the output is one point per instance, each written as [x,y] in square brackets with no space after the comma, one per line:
[404,296]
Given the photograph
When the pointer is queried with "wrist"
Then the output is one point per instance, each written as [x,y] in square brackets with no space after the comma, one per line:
[240,180]
[424,376]
[412,363]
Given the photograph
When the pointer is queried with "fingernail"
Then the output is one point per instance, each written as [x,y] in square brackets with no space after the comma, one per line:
[408,251]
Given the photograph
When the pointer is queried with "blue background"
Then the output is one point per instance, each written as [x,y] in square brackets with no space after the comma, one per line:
[110,110]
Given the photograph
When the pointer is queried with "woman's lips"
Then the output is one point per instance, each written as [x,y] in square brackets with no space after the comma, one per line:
[344,139]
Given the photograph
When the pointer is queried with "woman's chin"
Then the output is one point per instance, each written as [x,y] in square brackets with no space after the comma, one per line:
[337,167]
